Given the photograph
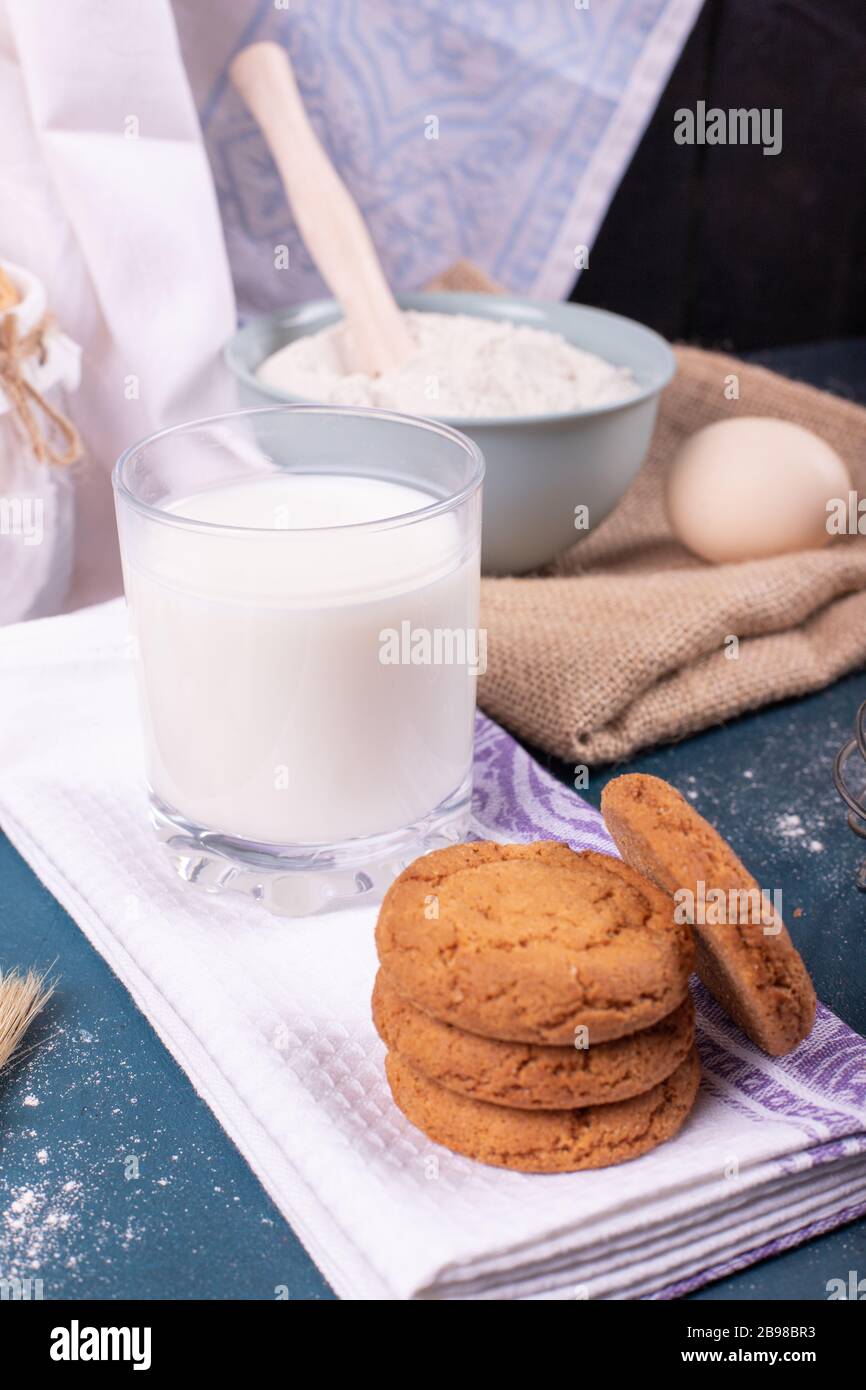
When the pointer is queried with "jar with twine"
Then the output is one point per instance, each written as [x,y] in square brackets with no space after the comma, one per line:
[38,445]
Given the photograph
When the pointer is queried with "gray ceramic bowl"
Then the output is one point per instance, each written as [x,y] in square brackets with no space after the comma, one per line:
[539,468]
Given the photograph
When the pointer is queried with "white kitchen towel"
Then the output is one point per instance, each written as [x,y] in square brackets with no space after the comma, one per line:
[106,195]
[497,132]
[271,1020]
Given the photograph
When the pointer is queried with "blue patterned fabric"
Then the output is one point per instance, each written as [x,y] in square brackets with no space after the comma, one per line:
[496,130]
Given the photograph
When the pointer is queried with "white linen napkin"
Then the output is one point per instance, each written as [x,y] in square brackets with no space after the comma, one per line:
[271,1021]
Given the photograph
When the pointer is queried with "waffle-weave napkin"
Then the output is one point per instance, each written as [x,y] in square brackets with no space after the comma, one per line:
[271,1021]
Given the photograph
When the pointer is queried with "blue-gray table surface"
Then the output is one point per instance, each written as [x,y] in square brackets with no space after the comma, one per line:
[117,1182]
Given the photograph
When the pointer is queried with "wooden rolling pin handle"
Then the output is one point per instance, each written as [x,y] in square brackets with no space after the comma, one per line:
[326,213]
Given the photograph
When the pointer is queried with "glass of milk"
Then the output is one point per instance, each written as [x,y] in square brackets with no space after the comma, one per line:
[302,585]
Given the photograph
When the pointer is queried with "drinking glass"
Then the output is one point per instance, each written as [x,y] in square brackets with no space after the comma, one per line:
[302,585]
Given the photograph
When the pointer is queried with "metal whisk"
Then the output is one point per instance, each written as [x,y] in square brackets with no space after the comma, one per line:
[856,805]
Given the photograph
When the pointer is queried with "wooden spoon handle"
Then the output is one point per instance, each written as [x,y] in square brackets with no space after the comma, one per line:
[326,213]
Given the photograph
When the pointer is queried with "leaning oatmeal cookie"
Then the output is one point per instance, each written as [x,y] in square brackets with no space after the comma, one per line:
[751,967]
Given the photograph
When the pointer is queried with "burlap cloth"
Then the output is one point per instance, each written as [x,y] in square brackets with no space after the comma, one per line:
[623,643]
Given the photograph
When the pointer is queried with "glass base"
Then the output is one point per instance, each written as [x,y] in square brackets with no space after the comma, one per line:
[302,880]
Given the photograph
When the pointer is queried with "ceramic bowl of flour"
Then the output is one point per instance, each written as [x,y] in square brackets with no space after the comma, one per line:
[571,432]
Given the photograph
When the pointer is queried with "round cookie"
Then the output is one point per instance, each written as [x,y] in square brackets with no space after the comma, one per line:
[529,942]
[545,1141]
[524,1075]
[758,978]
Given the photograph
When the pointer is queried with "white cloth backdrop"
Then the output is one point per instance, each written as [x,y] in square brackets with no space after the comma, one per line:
[106,194]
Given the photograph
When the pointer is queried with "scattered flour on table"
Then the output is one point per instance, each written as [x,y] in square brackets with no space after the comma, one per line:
[462,366]
[70,1208]
[790,827]
[36,1224]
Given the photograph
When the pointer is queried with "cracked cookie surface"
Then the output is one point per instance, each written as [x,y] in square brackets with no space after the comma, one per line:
[758,977]
[525,1075]
[527,943]
[545,1141]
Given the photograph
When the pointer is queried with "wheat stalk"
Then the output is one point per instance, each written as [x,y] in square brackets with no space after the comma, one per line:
[22,997]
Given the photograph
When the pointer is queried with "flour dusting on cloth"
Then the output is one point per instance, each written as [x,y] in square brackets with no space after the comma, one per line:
[463,367]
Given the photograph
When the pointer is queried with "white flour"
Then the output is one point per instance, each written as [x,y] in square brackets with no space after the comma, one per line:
[463,367]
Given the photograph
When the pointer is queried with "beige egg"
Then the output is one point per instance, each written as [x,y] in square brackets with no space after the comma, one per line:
[747,488]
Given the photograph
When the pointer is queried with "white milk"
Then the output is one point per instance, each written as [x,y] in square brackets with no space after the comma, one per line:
[268,712]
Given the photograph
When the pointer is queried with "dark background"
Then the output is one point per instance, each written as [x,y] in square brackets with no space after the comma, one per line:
[725,246]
